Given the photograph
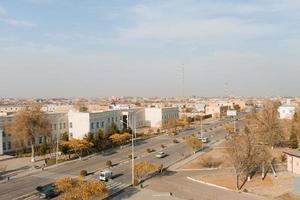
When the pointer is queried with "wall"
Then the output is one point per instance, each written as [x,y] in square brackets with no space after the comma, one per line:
[293,164]
[154,117]
[79,124]
[1,141]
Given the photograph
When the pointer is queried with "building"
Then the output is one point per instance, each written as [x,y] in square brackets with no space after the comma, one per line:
[293,161]
[1,141]
[217,110]
[81,123]
[158,117]
[286,111]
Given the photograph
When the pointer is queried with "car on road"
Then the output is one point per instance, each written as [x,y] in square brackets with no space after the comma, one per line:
[204,139]
[47,191]
[105,175]
[161,154]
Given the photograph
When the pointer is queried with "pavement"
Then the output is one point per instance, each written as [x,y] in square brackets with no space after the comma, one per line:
[177,183]
[17,187]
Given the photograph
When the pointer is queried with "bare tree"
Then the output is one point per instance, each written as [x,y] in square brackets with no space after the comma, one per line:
[29,124]
[267,125]
[246,155]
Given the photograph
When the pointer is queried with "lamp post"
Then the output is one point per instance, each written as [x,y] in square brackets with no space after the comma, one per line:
[132,145]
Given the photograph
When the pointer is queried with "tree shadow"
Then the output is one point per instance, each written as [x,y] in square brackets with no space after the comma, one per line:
[125,194]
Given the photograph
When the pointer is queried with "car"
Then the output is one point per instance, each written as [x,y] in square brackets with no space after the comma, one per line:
[105,175]
[204,139]
[161,154]
[47,191]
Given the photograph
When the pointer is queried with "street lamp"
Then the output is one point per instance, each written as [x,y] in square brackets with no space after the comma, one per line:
[132,144]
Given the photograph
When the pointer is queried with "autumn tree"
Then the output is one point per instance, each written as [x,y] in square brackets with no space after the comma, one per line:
[144,168]
[74,189]
[81,106]
[78,146]
[266,124]
[294,138]
[194,142]
[120,138]
[29,124]
[228,127]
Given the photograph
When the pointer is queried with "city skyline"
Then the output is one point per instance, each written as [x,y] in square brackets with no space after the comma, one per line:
[51,48]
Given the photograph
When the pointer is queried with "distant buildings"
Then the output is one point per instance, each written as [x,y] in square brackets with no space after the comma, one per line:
[287,111]
[78,124]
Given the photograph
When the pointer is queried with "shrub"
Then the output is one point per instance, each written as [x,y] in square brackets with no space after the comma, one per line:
[163,146]
[83,173]
[150,150]
[283,158]
[209,162]
[130,156]
[175,141]
[108,163]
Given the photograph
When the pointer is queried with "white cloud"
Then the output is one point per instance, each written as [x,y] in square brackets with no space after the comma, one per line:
[16,22]
[2,11]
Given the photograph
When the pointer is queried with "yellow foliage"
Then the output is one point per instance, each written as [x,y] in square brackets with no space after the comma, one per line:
[120,138]
[228,127]
[74,189]
[76,144]
[193,142]
[143,168]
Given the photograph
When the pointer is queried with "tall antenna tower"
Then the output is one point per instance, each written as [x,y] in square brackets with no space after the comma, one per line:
[226,90]
[182,80]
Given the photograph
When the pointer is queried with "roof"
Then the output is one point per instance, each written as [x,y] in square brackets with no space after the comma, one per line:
[295,153]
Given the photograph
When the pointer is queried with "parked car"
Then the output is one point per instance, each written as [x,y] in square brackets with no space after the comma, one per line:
[47,191]
[161,154]
[105,175]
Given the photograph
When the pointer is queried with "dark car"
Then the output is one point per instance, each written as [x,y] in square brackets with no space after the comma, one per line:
[47,191]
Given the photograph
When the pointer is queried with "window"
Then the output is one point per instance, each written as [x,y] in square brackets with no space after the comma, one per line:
[40,140]
[112,119]
[97,125]
[60,126]
[64,125]
[4,146]
[108,120]
[71,125]
[54,126]
[3,134]
[92,125]
[102,124]
[9,145]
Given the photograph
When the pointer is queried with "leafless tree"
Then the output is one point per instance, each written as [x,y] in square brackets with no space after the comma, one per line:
[29,124]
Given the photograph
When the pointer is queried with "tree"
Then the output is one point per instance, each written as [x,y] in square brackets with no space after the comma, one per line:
[246,154]
[144,168]
[194,142]
[89,137]
[63,147]
[228,127]
[78,146]
[74,189]
[266,124]
[113,129]
[100,141]
[29,124]
[120,139]
[294,138]
[81,106]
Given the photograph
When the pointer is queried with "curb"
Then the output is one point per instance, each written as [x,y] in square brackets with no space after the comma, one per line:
[210,184]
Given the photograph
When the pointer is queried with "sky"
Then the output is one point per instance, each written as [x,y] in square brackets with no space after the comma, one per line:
[96,48]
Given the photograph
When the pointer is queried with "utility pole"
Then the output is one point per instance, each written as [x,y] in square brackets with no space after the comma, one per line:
[183,79]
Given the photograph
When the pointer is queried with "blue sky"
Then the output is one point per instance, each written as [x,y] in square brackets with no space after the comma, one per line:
[70,48]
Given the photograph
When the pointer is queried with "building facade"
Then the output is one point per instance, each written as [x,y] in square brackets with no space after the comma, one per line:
[286,111]
[293,161]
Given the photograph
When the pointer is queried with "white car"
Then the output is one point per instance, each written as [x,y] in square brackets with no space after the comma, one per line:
[105,175]
[161,154]
[204,139]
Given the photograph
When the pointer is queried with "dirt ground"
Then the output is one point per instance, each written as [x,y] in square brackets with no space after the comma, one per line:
[279,188]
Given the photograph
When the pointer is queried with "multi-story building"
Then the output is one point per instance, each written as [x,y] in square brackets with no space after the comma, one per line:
[158,117]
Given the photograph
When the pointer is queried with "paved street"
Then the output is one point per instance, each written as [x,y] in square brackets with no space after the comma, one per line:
[177,183]
[29,183]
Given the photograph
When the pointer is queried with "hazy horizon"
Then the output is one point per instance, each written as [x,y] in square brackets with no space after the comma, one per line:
[64,48]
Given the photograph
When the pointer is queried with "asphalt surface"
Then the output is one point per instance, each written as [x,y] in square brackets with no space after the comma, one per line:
[21,186]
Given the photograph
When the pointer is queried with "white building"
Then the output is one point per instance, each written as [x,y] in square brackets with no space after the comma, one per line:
[293,161]
[81,123]
[157,117]
[1,141]
[286,111]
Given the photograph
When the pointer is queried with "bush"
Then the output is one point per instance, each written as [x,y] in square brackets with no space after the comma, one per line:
[163,146]
[130,156]
[83,173]
[150,150]
[109,163]
[175,141]
[209,162]
[283,158]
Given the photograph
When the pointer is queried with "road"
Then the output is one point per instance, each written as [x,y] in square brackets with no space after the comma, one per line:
[20,186]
